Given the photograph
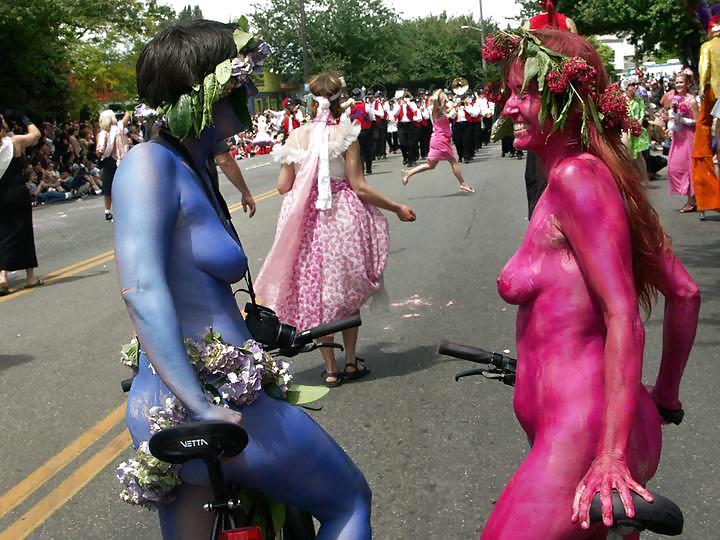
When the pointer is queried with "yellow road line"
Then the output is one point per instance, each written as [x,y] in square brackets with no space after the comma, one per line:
[55,276]
[55,464]
[49,504]
[102,258]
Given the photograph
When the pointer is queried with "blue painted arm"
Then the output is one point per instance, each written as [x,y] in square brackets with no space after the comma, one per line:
[146,201]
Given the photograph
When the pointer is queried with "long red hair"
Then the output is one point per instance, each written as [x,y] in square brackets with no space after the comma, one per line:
[647,237]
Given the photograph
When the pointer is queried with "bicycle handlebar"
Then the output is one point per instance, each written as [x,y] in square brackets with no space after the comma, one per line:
[306,336]
[477,355]
[661,516]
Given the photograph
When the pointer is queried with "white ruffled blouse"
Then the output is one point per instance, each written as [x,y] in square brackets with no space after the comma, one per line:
[295,150]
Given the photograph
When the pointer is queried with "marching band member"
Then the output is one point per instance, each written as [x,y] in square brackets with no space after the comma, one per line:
[362,113]
[461,113]
[379,106]
[404,111]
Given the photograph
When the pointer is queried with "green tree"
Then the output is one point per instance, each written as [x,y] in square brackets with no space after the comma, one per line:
[665,27]
[65,51]
[190,13]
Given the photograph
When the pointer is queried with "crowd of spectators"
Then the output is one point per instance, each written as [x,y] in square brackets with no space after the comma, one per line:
[64,164]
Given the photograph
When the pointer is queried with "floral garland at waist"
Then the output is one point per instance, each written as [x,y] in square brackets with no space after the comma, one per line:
[230,375]
[562,82]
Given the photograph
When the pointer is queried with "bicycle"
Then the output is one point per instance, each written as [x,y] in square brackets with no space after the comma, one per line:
[213,441]
[662,516]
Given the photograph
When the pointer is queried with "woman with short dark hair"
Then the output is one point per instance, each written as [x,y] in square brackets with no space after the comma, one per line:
[177,257]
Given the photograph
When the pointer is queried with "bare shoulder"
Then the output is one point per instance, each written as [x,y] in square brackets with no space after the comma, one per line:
[585,183]
[146,164]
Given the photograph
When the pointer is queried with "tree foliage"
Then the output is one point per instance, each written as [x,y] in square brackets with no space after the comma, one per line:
[368,42]
[655,27]
[61,54]
[190,13]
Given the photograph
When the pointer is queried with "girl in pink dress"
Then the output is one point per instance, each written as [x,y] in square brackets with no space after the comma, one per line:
[682,124]
[331,242]
[440,146]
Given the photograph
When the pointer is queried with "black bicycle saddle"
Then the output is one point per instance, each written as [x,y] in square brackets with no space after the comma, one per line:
[661,516]
[207,440]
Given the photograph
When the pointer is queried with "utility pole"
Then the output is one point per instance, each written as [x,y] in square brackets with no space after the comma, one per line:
[482,34]
[303,39]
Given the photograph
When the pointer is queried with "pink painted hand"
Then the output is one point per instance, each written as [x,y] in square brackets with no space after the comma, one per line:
[607,473]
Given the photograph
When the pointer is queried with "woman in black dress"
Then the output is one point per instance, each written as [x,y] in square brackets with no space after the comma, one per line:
[17,242]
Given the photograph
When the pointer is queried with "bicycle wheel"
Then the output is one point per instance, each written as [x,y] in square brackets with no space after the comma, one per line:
[298,525]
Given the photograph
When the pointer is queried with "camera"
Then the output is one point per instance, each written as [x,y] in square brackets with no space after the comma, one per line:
[266,328]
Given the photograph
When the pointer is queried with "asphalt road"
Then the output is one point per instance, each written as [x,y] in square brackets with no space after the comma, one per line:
[436,453]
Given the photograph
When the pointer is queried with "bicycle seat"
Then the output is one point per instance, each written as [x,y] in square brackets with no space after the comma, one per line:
[661,516]
[207,440]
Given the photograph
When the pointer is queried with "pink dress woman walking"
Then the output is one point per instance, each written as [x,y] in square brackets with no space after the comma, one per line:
[441,148]
[682,126]
[331,244]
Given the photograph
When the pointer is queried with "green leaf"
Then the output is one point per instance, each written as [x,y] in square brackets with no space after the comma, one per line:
[543,68]
[242,38]
[595,115]
[179,117]
[502,128]
[300,394]
[212,91]
[277,513]
[223,71]
[531,70]
[243,23]
[238,101]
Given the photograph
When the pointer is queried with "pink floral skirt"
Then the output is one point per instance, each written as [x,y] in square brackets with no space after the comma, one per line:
[342,256]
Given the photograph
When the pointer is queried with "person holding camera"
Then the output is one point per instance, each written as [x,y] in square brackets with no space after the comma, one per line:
[17,241]
[332,242]
[111,148]
[177,257]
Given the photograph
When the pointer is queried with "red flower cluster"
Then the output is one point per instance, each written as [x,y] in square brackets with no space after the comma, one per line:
[499,47]
[614,108]
[579,71]
[556,81]
[493,93]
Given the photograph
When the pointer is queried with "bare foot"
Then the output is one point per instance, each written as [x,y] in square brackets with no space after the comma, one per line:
[467,188]
[405,178]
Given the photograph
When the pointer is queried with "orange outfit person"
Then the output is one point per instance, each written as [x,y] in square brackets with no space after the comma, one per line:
[704,179]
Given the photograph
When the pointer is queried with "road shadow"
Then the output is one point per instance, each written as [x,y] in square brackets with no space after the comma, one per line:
[77,277]
[446,196]
[12,360]
[381,362]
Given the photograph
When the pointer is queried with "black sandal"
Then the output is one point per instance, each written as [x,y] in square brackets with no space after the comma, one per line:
[332,384]
[4,290]
[358,372]
[37,283]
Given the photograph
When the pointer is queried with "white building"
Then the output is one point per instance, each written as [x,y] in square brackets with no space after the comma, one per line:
[623,49]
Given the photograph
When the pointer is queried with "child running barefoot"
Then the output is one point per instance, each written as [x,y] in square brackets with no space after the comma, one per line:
[440,146]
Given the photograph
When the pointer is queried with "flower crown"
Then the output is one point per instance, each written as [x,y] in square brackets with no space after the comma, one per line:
[193,111]
[562,81]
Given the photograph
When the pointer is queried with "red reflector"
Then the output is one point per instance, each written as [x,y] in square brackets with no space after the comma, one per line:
[246,533]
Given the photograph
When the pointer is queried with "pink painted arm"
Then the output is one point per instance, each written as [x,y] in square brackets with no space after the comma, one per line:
[592,218]
[682,308]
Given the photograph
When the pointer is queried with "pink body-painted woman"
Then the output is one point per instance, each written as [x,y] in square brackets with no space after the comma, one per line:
[593,253]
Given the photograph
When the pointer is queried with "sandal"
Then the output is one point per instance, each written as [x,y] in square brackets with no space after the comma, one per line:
[38,283]
[4,290]
[688,208]
[467,188]
[334,375]
[359,370]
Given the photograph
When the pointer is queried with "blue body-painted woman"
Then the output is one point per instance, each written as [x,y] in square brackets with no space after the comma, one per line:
[176,262]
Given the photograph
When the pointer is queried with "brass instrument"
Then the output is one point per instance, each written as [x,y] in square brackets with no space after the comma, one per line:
[459,86]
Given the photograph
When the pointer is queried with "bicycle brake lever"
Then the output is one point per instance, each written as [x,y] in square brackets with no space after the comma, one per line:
[469,373]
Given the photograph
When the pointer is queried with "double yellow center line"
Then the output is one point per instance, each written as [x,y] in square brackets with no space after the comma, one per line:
[54,500]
